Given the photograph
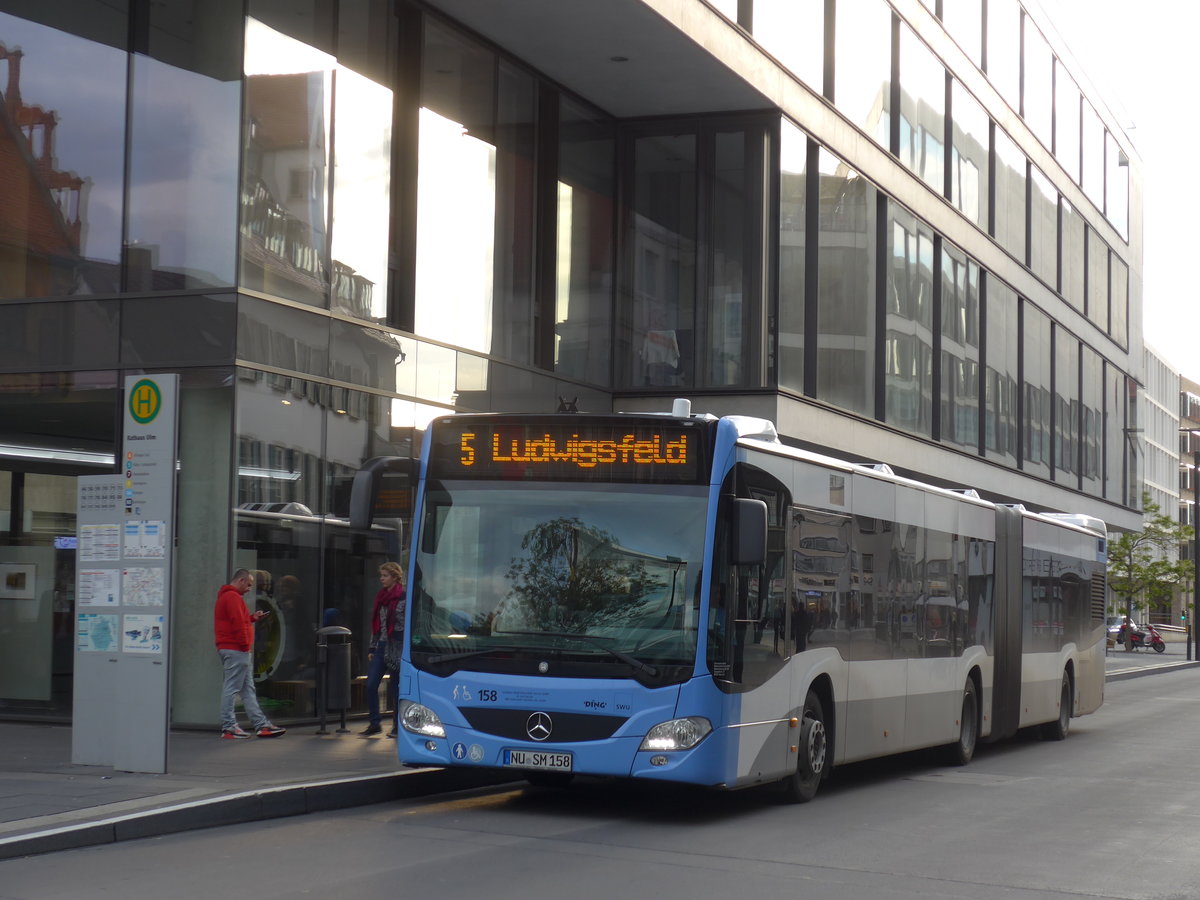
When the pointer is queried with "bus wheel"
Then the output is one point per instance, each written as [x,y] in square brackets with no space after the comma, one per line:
[801,786]
[961,751]
[549,779]
[1058,729]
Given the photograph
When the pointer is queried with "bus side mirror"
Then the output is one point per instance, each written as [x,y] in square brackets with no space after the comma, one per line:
[364,491]
[749,532]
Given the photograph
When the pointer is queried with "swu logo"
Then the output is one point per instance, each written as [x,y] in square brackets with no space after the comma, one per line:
[595,704]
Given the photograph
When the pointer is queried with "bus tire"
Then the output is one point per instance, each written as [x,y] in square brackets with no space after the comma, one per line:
[813,752]
[1059,728]
[962,750]
[549,779]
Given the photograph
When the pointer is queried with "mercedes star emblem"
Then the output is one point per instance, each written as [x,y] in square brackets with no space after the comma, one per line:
[538,726]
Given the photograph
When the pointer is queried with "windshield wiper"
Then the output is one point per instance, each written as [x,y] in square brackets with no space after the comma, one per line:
[595,641]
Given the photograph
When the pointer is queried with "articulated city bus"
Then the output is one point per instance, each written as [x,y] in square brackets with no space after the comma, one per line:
[684,598]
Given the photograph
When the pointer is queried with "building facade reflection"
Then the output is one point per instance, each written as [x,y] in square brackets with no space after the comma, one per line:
[337,221]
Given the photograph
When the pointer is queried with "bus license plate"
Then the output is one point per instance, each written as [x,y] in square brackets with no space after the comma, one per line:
[525,759]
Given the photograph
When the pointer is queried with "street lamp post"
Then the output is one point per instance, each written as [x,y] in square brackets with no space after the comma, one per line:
[1195,552]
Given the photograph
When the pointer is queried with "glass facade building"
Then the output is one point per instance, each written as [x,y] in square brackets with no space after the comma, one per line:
[905,235]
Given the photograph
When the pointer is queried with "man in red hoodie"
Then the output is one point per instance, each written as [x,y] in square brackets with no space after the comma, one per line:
[233,625]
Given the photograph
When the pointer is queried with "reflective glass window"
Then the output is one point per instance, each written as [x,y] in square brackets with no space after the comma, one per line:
[1116,206]
[584,253]
[179,330]
[1091,424]
[362,149]
[793,31]
[1093,156]
[846,287]
[474,199]
[730,298]
[964,20]
[969,156]
[1043,228]
[282,337]
[1073,243]
[1133,477]
[284,225]
[660,333]
[280,440]
[1004,49]
[512,238]
[68,335]
[62,152]
[183,180]
[1115,445]
[793,188]
[862,80]
[1067,122]
[1010,196]
[922,111]
[960,349]
[1119,302]
[1000,378]
[1066,406]
[298,446]
[367,31]
[1035,450]
[908,340]
[1097,280]
[1039,83]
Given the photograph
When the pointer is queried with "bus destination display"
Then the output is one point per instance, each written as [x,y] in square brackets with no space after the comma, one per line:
[579,451]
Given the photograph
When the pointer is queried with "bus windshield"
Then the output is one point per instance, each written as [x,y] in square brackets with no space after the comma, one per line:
[603,580]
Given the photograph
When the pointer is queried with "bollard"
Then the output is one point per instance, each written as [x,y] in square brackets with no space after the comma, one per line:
[333,673]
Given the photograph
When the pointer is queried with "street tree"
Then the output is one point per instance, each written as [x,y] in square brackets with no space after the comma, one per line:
[1145,564]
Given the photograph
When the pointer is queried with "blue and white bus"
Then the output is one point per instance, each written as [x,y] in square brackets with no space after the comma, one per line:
[684,598]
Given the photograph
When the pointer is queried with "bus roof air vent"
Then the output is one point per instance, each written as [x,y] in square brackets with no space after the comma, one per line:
[967,492]
[881,468]
[757,429]
[1083,521]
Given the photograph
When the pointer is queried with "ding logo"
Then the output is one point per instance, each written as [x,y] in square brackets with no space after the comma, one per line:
[145,400]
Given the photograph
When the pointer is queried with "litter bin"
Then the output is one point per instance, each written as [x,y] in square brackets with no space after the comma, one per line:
[333,670]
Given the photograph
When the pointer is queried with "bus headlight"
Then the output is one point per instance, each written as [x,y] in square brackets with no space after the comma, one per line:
[420,719]
[677,734]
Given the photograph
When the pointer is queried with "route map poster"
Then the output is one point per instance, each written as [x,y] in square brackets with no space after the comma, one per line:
[96,633]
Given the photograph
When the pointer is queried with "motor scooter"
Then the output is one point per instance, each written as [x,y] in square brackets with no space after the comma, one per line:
[1147,636]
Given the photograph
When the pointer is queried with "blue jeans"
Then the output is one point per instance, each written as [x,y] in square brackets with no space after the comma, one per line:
[375,671]
[239,679]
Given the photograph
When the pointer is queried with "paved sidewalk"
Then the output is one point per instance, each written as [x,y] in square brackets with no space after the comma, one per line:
[1120,663]
[46,803]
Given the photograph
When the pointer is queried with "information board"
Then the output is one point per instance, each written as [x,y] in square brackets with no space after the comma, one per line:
[123,618]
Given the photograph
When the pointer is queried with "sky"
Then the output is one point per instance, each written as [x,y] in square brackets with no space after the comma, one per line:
[1140,58]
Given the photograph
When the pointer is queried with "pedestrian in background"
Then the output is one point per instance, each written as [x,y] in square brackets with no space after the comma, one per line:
[383,653]
[1129,629]
[233,627]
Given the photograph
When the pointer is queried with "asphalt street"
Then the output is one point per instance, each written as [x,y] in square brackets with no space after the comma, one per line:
[1026,820]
